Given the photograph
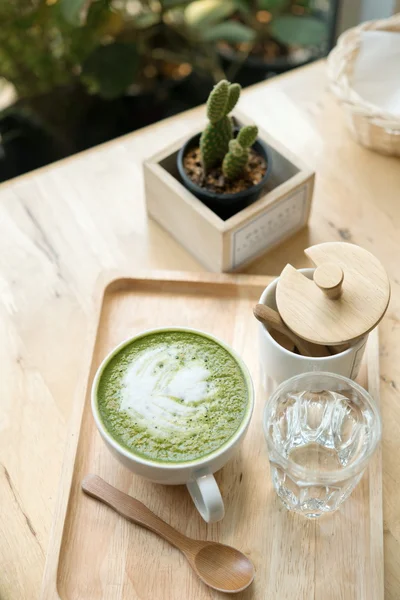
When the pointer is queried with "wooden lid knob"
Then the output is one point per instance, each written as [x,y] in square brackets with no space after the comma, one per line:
[329,278]
[348,297]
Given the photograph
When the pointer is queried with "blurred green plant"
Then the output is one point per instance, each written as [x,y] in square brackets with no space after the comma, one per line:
[56,53]
[247,23]
[45,44]
[59,53]
[104,44]
[107,44]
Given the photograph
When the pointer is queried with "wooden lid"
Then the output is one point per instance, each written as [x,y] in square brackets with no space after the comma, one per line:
[348,297]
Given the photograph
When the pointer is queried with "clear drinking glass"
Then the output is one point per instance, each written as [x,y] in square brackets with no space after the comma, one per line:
[321,430]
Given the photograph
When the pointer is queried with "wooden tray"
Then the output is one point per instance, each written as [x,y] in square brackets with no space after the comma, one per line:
[94,554]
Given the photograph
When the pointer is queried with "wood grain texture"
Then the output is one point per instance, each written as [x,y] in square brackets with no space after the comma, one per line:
[221,567]
[357,299]
[329,278]
[334,558]
[65,224]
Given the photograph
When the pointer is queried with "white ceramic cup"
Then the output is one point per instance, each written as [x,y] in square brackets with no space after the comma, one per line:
[196,474]
[279,364]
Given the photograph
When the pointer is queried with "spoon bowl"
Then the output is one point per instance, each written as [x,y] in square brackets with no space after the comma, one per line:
[221,567]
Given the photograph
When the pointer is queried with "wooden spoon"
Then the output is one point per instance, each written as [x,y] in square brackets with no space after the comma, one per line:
[271,318]
[221,567]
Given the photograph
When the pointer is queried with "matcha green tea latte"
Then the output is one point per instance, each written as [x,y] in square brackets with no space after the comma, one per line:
[172,396]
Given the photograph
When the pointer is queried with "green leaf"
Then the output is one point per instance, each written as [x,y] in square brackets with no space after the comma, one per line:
[230,31]
[109,70]
[72,10]
[271,5]
[243,6]
[203,13]
[298,31]
[146,19]
[174,3]
[97,16]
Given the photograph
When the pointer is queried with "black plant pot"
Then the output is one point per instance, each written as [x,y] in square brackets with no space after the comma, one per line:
[224,205]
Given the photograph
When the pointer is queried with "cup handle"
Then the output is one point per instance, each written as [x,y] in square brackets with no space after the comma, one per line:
[207,497]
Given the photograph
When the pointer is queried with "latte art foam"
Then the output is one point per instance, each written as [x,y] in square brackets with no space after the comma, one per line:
[161,394]
[172,396]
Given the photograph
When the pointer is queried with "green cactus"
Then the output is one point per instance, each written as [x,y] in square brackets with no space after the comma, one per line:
[214,140]
[217,145]
[236,158]
[233,96]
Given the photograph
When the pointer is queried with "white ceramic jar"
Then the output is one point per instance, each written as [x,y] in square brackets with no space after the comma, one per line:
[279,364]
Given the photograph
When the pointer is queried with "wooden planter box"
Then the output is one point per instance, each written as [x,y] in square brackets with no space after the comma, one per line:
[281,210]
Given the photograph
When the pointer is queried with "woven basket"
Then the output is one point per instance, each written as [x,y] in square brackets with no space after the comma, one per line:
[370,126]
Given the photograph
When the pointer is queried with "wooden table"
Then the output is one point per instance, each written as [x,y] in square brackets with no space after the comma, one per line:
[63,225]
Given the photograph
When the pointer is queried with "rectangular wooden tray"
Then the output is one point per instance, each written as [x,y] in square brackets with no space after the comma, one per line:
[94,554]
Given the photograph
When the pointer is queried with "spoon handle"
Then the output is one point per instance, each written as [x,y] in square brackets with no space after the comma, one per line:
[270,317]
[134,511]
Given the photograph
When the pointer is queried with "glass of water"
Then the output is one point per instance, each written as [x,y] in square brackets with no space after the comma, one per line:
[321,431]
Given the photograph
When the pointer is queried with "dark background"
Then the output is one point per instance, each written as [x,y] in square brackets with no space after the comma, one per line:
[83,72]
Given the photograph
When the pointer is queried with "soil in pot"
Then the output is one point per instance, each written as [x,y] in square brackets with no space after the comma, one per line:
[215,181]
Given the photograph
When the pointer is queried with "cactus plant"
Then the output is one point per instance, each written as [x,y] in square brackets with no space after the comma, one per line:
[217,145]
[236,158]
[218,166]
[214,141]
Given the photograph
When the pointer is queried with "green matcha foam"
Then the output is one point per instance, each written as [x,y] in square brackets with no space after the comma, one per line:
[172,396]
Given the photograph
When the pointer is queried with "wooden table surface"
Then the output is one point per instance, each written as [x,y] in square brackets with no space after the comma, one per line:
[61,226]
